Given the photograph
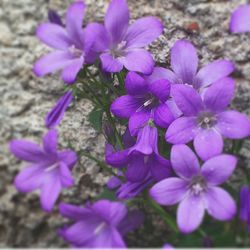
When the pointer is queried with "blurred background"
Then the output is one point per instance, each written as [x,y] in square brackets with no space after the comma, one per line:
[25,100]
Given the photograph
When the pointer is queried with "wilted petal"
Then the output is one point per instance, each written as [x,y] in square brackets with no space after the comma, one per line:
[220,94]
[208,143]
[139,61]
[69,73]
[190,213]
[135,84]
[143,31]
[138,121]
[56,114]
[233,124]
[163,117]
[187,99]
[110,64]
[184,161]
[53,35]
[218,169]
[213,72]
[182,130]
[52,62]
[184,60]
[169,191]
[125,106]
[117,20]
[240,19]
[220,204]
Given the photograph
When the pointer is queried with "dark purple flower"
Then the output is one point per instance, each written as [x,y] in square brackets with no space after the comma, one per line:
[123,44]
[184,63]
[147,98]
[245,205]
[240,19]
[142,158]
[207,120]
[54,18]
[49,169]
[56,114]
[101,225]
[72,44]
[196,188]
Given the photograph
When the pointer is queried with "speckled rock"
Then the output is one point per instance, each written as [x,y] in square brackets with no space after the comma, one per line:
[25,99]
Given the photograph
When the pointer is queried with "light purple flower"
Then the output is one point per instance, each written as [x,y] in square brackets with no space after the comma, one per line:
[49,170]
[56,114]
[184,63]
[101,225]
[72,44]
[142,158]
[147,98]
[240,19]
[245,205]
[206,120]
[196,188]
[123,44]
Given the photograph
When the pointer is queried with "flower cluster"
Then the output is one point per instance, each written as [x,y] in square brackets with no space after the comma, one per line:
[175,122]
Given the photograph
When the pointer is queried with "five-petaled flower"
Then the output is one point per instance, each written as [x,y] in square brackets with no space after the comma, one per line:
[206,119]
[102,224]
[49,170]
[196,188]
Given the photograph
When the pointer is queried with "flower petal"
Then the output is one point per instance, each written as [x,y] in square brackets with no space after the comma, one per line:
[143,31]
[66,177]
[220,94]
[114,182]
[56,114]
[187,99]
[184,161]
[220,204]
[110,64]
[74,21]
[208,143]
[218,169]
[213,72]
[139,61]
[233,124]
[69,157]
[135,84]
[190,213]
[50,142]
[69,73]
[117,20]
[138,120]
[184,61]
[117,159]
[163,117]
[125,106]
[182,130]
[169,191]
[52,62]
[240,19]
[160,89]
[53,35]
[27,151]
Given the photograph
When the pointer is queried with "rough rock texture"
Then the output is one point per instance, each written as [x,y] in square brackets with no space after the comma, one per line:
[26,99]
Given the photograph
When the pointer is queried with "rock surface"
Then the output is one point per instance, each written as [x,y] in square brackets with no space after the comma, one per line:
[26,99]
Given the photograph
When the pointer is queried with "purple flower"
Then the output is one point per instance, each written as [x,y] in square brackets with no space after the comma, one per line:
[196,188]
[168,246]
[142,158]
[54,18]
[240,19]
[56,114]
[123,44]
[101,225]
[184,63]
[146,99]
[245,205]
[72,44]
[207,120]
[49,169]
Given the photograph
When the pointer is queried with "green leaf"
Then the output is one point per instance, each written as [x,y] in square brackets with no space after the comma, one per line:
[107,195]
[95,119]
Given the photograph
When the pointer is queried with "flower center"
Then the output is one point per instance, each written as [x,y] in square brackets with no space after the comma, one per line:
[206,120]
[197,185]
[52,167]
[75,51]
[99,228]
[119,49]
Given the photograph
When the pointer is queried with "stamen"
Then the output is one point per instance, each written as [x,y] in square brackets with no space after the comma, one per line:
[99,228]
[75,51]
[51,168]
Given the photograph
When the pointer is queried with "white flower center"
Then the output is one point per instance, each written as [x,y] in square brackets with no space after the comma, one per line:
[206,120]
[197,185]
[75,51]
[51,168]
[119,49]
